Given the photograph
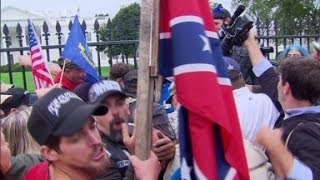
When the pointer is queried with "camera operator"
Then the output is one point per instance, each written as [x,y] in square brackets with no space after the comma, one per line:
[233,31]
[221,17]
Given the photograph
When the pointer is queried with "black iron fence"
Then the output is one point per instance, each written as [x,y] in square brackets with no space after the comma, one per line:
[278,36]
[52,51]
[293,31]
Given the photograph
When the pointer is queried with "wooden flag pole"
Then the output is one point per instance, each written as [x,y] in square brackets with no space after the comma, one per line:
[158,88]
[157,79]
[147,72]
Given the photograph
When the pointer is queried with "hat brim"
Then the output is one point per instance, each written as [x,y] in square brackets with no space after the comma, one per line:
[5,98]
[5,87]
[110,93]
[76,120]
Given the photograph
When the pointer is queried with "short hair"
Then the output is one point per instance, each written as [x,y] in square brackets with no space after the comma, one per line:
[118,70]
[303,51]
[302,74]
[53,142]
[236,79]
[16,132]
[68,64]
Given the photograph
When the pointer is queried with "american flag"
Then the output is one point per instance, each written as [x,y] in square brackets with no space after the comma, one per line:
[211,143]
[41,75]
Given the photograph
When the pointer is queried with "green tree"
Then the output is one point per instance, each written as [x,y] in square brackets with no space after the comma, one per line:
[285,11]
[124,26]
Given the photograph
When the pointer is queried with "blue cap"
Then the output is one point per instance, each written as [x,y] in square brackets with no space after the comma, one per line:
[231,64]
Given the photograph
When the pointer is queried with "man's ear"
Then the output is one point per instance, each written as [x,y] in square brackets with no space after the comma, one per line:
[48,153]
[121,82]
[286,88]
[12,110]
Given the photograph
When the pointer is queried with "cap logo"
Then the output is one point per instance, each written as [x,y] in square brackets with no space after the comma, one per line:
[100,88]
[230,67]
[56,103]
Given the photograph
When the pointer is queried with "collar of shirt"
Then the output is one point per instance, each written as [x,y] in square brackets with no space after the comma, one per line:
[298,111]
[240,91]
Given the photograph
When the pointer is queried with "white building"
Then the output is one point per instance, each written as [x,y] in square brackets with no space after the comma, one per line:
[11,16]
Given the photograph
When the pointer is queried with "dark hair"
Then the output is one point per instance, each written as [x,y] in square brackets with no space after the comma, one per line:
[236,79]
[118,71]
[302,75]
[68,64]
[53,142]
[234,75]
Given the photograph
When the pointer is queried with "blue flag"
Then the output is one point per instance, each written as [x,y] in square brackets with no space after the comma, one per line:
[76,50]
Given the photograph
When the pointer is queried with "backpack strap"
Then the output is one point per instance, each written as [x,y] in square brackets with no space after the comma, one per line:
[297,126]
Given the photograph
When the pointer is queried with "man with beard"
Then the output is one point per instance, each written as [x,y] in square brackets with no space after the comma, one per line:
[110,125]
[71,76]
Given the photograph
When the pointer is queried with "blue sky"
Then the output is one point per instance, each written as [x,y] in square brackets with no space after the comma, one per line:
[87,7]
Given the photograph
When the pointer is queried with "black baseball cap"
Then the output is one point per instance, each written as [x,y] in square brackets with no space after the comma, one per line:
[220,13]
[82,90]
[100,90]
[130,83]
[60,113]
[19,97]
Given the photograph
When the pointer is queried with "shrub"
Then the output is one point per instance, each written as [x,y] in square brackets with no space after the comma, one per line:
[14,68]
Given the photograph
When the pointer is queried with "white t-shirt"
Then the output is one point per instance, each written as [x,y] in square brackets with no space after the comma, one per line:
[255,111]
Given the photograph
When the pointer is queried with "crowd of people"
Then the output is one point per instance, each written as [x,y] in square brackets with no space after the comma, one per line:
[86,131]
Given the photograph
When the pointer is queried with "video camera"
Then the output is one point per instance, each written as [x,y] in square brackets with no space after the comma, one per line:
[236,32]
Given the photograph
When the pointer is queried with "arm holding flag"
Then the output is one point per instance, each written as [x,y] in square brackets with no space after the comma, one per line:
[25,60]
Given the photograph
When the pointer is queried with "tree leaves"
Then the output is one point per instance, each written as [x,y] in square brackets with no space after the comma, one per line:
[124,26]
[289,13]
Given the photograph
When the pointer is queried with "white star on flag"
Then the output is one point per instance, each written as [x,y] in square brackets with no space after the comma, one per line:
[206,46]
